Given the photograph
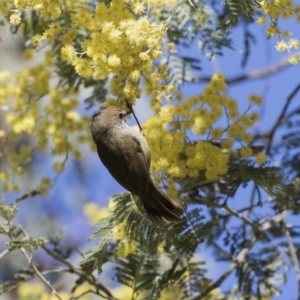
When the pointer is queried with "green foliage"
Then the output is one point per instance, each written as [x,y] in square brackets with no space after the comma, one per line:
[258,273]
[30,244]
[235,9]
[181,68]
[8,212]
[140,270]
[21,276]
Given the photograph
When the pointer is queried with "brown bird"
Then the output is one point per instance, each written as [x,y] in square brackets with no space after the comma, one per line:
[125,153]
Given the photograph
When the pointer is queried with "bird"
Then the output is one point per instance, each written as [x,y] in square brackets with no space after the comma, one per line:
[125,153]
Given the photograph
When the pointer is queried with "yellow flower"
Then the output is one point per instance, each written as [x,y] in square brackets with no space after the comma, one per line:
[82,67]
[125,248]
[77,154]
[286,34]
[114,61]
[294,43]
[200,125]
[58,167]
[95,212]
[235,130]
[82,289]
[68,37]
[261,158]
[294,59]
[261,20]
[25,154]
[112,204]
[62,295]
[135,75]
[36,40]
[272,31]
[247,137]
[115,35]
[67,53]
[15,19]
[161,247]
[162,164]
[123,292]
[26,124]
[216,133]
[30,289]
[138,8]
[73,116]
[203,18]
[281,46]
[4,75]
[232,108]
[254,117]
[45,185]
[118,231]
[29,54]
[172,191]
[144,56]
[246,152]
[2,134]
[255,99]
[171,46]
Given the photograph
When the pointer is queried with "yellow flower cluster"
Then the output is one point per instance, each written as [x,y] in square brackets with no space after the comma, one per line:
[178,157]
[52,123]
[95,212]
[116,41]
[35,290]
[125,245]
[285,9]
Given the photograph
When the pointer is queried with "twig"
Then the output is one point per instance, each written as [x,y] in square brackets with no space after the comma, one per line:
[3,253]
[88,277]
[253,74]
[240,257]
[71,269]
[242,254]
[280,119]
[25,196]
[129,106]
[39,274]
[293,253]
[232,212]
[31,263]
[87,292]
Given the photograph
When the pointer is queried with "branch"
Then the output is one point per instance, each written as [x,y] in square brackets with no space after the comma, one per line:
[39,274]
[294,257]
[81,273]
[232,212]
[31,263]
[29,195]
[240,257]
[260,226]
[281,118]
[252,74]
[3,253]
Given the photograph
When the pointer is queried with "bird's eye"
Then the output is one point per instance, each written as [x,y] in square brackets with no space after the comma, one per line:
[121,115]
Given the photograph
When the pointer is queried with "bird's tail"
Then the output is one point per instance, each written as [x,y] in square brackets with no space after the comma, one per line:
[159,207]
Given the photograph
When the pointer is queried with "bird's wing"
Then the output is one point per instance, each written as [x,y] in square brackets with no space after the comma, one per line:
[131,167]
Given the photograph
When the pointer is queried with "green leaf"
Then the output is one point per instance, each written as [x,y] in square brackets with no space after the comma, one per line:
[8,212]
